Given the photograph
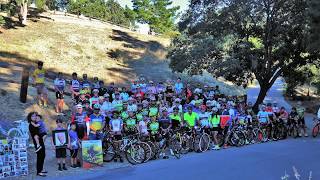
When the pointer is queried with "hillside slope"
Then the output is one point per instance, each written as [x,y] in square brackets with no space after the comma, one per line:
[69,44]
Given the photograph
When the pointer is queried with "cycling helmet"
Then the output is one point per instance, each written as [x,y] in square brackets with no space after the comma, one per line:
[95,91]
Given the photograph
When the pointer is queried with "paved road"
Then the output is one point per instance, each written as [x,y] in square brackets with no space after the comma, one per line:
[268,161]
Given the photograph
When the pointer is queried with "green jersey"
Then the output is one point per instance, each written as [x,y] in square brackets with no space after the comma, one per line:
[175,117]
[190,118]
[214,120]
[153,111]
[154,127]
[300,111]
[131,123]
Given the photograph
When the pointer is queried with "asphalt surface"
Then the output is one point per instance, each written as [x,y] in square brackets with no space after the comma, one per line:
[267,161]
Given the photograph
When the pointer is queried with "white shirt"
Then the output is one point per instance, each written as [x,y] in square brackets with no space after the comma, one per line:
[132,107]
[143,127]
[60,84]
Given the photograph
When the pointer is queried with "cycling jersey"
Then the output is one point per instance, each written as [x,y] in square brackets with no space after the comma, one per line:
[39,75]
[132,108]
[117,105]
[75,84]
[143,127]
[175,117]
[130,123]
[300,111]
[95,85]
[116,125]
[164,122]
[96,122]
[154,127]
[214,120]
[94,100]
[263,116]
[80,118]
[153,111]
[204,118]
[60,84]
[190,118]
[124,96]
[139,116]
[85,84]
[178,87]
[124,115]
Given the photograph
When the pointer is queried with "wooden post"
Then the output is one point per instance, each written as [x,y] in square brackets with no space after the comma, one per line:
[24,85]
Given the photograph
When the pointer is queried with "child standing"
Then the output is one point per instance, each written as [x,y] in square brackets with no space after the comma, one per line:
[61,152]
[74,145]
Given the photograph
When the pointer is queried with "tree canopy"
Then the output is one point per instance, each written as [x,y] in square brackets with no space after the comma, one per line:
[243,39]
[157,13]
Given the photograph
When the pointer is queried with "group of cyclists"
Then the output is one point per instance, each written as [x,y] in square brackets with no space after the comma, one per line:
[151,108]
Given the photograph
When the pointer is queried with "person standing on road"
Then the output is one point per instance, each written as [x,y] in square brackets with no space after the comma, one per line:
[41,154]
[38,78]
[301,121]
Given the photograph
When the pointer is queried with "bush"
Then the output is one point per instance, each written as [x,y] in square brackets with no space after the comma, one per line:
[171,34]
[40,4]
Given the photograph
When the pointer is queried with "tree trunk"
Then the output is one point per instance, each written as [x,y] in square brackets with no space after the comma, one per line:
[24,85]
[23,13]
[262,94]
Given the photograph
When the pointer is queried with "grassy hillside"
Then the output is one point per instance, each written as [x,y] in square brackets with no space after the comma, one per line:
[69,44]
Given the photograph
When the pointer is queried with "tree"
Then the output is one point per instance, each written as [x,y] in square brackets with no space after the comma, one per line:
[315,24]
[23,10]
[242,40]
[156,13]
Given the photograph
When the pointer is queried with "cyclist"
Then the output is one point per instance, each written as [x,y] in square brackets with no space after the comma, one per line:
[214,120]
[85,84]
[116,126]
[283,115]
[165,126]
[293,119]
[130,124]
[175,117]
[190,117]
[102,90]
[203,120]
[81,119]
[131,106]
[301,121]
[87,107]
[263,118]
[75,87]
[38,78]
[59,86]
[95,84]
[106,107]
[96,124]
[95,98]
[117,102]
[178,87]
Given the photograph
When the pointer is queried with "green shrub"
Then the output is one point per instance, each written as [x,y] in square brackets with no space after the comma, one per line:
[2,21]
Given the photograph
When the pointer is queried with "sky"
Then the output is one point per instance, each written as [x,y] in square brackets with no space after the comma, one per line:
[182,3]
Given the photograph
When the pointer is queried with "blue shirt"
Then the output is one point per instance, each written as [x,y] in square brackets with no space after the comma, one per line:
[74,139]
[263,116]
[42,127]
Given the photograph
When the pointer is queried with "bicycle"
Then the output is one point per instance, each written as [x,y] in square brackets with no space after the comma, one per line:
[20,131]
[316,127]
[134,150]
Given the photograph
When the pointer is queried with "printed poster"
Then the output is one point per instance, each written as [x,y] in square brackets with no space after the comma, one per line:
[92,155]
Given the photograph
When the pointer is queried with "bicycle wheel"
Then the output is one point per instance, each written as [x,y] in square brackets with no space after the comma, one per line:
[295,131]
[220,139]
[109,152]
[204,143]
[148,151]
[249,135]
[315,130]
[135,153]
[258,135]
[14,133]
[176,147]
[185,144]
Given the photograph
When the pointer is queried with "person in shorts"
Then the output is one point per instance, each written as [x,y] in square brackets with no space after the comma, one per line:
[59,86]
[38,78]
[61,152]
[74,145]
[116,127]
